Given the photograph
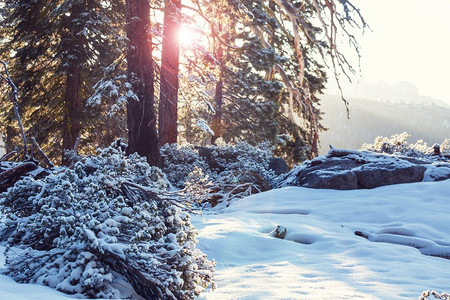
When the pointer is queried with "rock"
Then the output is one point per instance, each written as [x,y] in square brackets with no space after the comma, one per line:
[329,174]
[346,180]
[207,155]
[278,165]
[212,158]
[279,232]
[437,172]
[372,175]
[346,170]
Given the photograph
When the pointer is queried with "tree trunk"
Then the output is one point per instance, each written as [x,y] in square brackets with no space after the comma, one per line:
[141,118]
[73,45]
[11,132]
[168,98]
[216,124]
[72,107]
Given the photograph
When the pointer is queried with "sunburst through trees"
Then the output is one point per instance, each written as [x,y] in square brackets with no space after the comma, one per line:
[220,70]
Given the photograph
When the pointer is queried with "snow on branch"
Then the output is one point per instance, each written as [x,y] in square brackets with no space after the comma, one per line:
[106,219]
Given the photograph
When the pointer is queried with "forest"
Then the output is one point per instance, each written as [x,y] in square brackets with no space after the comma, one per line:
[158,72]
[125,120]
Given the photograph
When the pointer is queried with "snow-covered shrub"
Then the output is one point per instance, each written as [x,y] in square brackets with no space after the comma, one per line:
[398,144]
[445,147]
[427,294]
[105,229]
[218,173]
[243,163]
[240,163]
[197,187]
[233,156]
[200,189]
[179,161]
[234,172]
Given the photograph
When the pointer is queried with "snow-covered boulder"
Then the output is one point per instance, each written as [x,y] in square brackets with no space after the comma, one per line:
[373,175]
[346,170]
[437,172]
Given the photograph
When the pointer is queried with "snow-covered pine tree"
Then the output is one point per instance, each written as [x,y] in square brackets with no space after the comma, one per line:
[271,57]
[205,92]
[57,51]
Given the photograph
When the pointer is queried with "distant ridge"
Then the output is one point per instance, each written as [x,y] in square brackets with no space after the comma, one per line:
[400,92]
[428,121]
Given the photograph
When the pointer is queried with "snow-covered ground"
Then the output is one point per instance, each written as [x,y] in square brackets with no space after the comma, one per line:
[398,227]
[11,290]
[321,257]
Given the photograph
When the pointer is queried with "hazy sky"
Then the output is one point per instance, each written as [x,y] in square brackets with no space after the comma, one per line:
[409,41]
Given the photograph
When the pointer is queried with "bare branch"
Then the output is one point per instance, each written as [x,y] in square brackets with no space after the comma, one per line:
[16,105]
[45,157]
[292,91]
[8,155]
[77,143]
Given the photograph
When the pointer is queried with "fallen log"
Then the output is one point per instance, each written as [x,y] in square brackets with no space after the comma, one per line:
[13,174]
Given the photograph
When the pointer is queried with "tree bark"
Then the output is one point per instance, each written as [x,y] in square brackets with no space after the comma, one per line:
[72,109]
[75,59]
[168,99]
[141,118]
[216,124]
[9,139]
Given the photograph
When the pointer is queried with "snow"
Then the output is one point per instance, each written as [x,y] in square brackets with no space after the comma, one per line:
[371,244]
[321,256]
[11,290]
[436,170]
[203,125]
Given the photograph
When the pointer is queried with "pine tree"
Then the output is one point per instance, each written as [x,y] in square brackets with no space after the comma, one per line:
[168,99]
[257,77]
[57,51]
[141,117]
[272,56]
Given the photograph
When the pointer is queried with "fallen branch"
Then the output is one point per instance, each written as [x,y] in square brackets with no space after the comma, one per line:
[45,157]
[17,169]
[174,198]
[10,176]
[143,284]
[8,155]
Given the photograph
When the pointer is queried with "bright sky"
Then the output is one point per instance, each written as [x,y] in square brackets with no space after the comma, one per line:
[410,41]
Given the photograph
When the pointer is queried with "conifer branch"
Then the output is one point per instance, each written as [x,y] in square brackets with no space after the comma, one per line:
[211,23]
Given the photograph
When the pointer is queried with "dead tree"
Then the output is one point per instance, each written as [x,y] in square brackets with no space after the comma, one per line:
[13,98]
[11,172]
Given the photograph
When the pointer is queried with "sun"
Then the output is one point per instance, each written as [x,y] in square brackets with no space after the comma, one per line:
[188,36]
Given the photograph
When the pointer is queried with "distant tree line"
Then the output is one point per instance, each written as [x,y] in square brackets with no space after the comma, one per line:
[95,70]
